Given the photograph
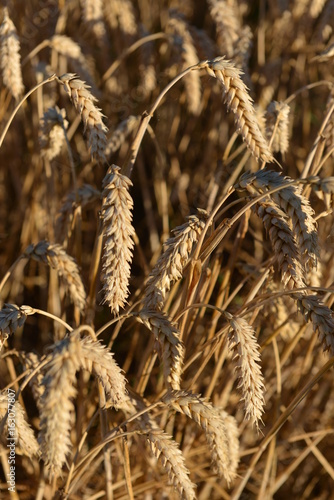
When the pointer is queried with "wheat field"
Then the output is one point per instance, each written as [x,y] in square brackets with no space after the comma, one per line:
[167,249]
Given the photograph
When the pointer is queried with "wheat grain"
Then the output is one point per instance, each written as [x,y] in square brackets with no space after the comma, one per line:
[10,57]
[171,349]
[243,343]
[118,236]
[56,257]
[212,422]
[170,265]
[237,99]
[83,101]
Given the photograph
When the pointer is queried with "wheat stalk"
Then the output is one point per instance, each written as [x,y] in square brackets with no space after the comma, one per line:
[83,101]
[213,424]
[55,256]
[118,236]
[243,343]
[10,57]
[171,349]
[237,99]
[172,261]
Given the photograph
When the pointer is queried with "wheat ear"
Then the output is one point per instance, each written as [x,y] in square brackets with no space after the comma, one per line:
[321,317]
[99,361]
[277,126]
[10,57]
[83,101]
[165,448]
[170,265]
[283,242]
[293,203]
[118,236]
[171,349]
[93,16]
[55,256]
[17,427]
[243,343]
[237,99]
[56,405]
[121,133]
[179,28]
[212,422]
[228,25]
[82,197]
[12,317]
[52,126]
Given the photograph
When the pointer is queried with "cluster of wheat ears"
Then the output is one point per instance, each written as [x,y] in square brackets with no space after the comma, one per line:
[167,263]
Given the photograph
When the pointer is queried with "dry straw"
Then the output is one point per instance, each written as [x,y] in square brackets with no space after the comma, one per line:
[92,118]
[10,57]
[118,238]
[237,99]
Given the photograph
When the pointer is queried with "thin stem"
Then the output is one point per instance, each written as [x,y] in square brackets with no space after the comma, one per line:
[130,50]
[146,117]
[12,116]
